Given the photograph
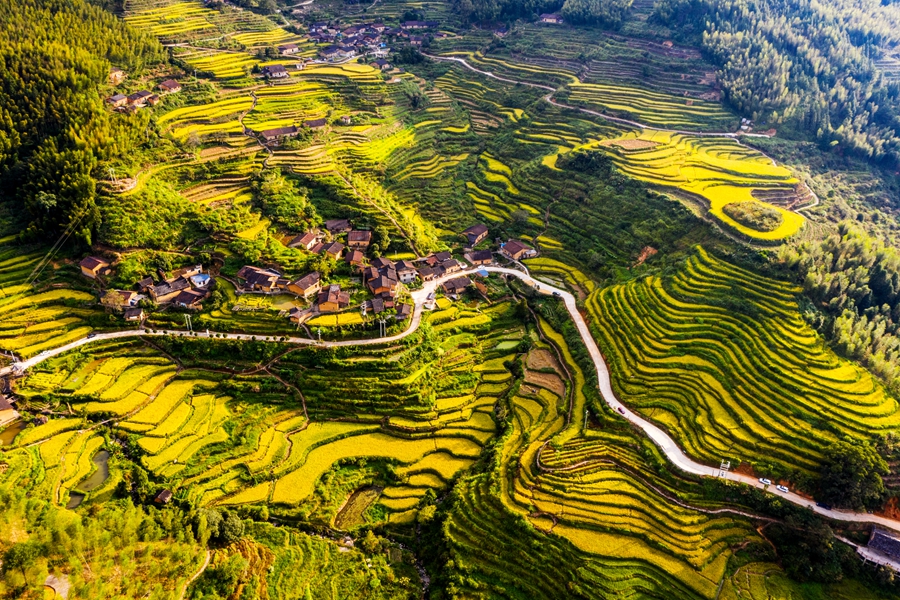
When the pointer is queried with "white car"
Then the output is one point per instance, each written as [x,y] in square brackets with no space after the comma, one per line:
[781,488]
[765,481]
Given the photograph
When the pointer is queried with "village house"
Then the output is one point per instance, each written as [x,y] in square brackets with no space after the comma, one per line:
[169,86]
[427,273]
[201,281]
[144,284]
[359,240]
[475,234]
[502,31]
[153,100]
[419,25]
[336,226]
[406,271]
[185,272]
[189,299]
[296,314]
[333,299]
[164,497]
[516,250]
[382,285]
[480,257]
[279,133]
[884,542]
[330,53]
[382,64]
[305,241]
[315,124]
[416,40]
[116,76]
[375,305]
[117,100]
[383,263]
[134,314]
[288,49]
[346,119]
[403,312]
[94,267]
[335,250]
[437,258]
[120,299]
[8,414]
[257,279]
[451,266]
[307,285]
[275,71]
[355,258]
[552,18]
[167,290]
[456,286]
[138,98]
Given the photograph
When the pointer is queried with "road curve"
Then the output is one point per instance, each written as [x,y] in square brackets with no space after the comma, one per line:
[668,446]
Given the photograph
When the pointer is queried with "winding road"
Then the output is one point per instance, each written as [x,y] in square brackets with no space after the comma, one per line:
[668,446]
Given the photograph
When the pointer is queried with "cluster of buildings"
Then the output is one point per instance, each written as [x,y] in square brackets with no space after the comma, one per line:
[186,287]
[140,99]
[365,39]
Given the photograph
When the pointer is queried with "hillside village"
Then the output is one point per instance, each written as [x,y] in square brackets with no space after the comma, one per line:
[375,287]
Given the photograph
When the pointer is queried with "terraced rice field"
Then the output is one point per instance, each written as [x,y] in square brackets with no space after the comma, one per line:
[586,490]
[723,359]
[34,319]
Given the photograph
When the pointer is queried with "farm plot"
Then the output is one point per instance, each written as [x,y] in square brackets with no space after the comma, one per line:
[620,529]
[722,358]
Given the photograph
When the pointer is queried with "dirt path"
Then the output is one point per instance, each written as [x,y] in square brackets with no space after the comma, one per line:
[194,577]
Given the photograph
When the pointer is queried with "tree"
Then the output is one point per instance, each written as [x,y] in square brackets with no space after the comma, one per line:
[232,529]
[851,475]
[21,556]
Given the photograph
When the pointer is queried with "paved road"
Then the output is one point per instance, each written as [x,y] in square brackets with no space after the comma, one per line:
[659,437]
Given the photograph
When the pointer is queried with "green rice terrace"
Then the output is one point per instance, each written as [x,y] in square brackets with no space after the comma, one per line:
[390,300]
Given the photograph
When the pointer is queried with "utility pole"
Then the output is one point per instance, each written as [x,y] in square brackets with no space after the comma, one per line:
[112,175]
[187,322]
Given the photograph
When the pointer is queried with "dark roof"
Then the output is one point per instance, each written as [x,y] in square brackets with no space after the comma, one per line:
[169,84]
[359,236]
[457,284]
[189,298]
[308,281]
[405,265]
[305,239]
[314,123]
[515,246]
[333,248]
[885,542]
[442,256]
[279,131]
[134,313]
[138,96]
[382,63]
[163,497]
[248,270]
[354,256]
[403,311]
[288,46]
[481,255]
[272,69]
[476,230]
[117,98]
[4,403]
[377,305]
[334,294]
[337,224]
[166,288]
[330,50]
[383,281]
[382,263]
[93,262]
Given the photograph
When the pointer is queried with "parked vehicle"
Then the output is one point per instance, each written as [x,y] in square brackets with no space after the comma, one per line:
[823,505]
[782,488]
[765,481]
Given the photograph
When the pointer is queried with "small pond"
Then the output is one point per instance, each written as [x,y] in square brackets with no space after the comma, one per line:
[9,434]
[94,480]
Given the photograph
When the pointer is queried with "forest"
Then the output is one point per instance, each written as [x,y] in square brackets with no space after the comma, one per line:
[801,63]
[55,130]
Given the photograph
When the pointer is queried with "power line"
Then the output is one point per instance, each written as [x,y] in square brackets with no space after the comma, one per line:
[39,268]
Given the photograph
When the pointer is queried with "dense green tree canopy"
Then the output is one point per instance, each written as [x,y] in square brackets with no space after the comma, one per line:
[851,475]
[54,56]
